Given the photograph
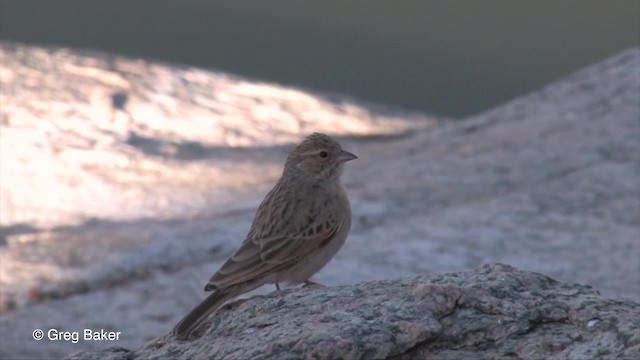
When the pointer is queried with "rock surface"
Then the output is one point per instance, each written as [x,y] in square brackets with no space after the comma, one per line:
[116,210]
[138,137]
[495,311]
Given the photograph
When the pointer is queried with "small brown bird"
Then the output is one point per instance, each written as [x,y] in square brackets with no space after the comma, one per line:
[300,225]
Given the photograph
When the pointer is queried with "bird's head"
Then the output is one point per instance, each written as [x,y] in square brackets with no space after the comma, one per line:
[318,157]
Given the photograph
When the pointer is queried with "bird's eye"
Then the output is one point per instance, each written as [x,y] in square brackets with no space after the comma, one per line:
[323,154]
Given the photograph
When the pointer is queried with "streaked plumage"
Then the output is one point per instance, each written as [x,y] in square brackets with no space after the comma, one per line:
[300,225]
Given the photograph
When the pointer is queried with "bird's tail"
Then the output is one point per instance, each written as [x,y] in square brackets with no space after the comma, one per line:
[195,317]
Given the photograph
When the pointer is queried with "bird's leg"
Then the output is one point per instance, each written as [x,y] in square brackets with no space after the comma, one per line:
[277,286]
[311,283]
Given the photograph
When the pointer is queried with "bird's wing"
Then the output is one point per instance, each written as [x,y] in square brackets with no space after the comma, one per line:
[258,257]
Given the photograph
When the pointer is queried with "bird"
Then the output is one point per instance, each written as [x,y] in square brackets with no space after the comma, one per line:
[298,228]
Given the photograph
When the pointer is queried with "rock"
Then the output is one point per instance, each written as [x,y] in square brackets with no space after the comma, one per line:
[134,134]
[155,146]
[495,311]
[547,182]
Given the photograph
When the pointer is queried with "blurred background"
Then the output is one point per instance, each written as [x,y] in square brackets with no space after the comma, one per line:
[450,58]
[126,181]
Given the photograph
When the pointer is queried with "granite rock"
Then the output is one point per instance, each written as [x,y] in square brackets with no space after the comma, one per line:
[495,311]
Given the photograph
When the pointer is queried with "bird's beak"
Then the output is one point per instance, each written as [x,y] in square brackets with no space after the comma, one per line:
[346,156]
